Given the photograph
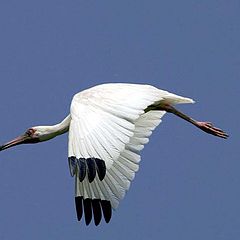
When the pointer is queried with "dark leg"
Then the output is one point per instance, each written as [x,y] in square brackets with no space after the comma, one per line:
[204,126]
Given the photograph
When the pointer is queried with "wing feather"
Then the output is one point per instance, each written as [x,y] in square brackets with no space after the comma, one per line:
[108,123]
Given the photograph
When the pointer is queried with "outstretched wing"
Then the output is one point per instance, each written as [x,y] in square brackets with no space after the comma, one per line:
[108,130]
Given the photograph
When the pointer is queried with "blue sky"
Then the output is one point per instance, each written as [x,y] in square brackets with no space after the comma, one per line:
[188,183]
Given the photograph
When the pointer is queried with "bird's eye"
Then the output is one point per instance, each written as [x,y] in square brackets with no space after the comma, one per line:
[29,132]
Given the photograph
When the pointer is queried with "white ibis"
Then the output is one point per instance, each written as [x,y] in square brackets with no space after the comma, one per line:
[108,126]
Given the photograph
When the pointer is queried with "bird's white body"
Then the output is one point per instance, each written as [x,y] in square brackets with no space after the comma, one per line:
[108,122]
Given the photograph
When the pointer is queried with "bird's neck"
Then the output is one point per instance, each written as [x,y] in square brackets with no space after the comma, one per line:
[62,127]
[49,132]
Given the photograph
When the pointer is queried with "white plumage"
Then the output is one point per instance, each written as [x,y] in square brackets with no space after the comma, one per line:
[108,122]
[109,125]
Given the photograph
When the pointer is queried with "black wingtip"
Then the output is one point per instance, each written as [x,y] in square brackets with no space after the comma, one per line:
[96,211]
[72,161]
[93,208]
[87,166]
[101,168]
[81,169]
[87,204]
[91,169]
[107,210]
[79,209]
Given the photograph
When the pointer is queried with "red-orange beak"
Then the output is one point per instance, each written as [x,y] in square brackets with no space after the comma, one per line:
[19,140]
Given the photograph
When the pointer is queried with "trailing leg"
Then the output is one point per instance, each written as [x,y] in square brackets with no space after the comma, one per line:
[204,126]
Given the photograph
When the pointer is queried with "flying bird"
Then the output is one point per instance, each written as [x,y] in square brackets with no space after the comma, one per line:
[108,126]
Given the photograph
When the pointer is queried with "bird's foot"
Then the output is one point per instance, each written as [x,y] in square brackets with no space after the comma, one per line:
[209,128]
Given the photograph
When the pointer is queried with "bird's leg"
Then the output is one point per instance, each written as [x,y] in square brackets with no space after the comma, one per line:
[204,126]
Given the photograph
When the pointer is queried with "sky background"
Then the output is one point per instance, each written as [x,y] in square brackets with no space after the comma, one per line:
[188,183]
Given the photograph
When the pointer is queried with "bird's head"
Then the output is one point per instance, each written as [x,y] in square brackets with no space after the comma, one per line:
[32,135]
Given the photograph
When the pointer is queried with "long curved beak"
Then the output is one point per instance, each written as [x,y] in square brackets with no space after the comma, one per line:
[19,140]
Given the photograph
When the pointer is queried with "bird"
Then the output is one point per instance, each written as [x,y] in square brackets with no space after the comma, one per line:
[108,126]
